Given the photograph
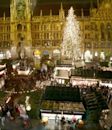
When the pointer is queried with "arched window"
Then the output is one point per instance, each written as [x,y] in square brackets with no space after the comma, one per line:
[102,32]
[19,27]
[94,26]
[108,32]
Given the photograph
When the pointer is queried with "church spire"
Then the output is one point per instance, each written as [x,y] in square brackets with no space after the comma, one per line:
[98,3]
[82,13]
[41,12]
[91,4]
[61,6]
[61,12]
[4,17]
[50,12]
[14,2]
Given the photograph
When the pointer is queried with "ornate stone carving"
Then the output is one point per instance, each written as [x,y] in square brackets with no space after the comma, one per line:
[20,9]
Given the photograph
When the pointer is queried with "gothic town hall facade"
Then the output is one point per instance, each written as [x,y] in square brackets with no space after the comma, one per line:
[45,32]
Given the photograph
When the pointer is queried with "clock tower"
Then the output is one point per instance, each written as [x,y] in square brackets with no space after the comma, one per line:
[20,24]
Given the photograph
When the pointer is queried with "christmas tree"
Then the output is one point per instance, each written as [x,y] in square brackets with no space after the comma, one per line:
[71,38]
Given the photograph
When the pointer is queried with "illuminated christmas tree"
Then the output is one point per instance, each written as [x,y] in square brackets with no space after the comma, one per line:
[71,38]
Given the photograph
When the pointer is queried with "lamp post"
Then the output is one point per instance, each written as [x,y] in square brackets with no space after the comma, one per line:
[27,104]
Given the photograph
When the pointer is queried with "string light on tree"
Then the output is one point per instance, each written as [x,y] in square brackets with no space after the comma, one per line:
[71,38]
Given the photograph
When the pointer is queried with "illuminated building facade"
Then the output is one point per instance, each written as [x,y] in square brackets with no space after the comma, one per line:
[45,32]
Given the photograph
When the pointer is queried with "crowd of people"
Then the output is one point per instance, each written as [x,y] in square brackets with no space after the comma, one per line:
[10,111]
[40,79]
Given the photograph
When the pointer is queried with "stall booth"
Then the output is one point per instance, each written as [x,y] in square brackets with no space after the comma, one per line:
[59,102]
[62,73]
[80,81]
[106,83]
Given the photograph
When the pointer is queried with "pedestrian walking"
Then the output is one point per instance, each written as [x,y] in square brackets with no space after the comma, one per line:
[3,121]
[3,115]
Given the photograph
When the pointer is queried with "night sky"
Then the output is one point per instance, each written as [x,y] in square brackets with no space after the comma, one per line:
[46,5]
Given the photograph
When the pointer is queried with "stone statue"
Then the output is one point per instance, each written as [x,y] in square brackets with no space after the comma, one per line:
[20,8]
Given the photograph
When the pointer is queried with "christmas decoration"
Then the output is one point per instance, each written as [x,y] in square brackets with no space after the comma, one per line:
[71,38]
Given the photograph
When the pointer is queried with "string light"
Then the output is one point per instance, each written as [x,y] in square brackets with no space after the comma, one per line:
[71,37]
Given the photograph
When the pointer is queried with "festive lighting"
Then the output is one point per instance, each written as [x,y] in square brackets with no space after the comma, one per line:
[102,56]
[96,54]
[88,56]
[45,120]
[28,105]
[71,37]
[37,52]
[56,51]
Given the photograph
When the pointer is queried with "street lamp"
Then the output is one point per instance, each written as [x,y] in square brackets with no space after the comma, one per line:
[28,105]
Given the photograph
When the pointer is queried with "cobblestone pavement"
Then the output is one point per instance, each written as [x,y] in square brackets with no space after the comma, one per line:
[18,125]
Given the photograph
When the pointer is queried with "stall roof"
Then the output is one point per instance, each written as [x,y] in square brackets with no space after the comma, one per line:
[57,99]
[59,93]
[67,107]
